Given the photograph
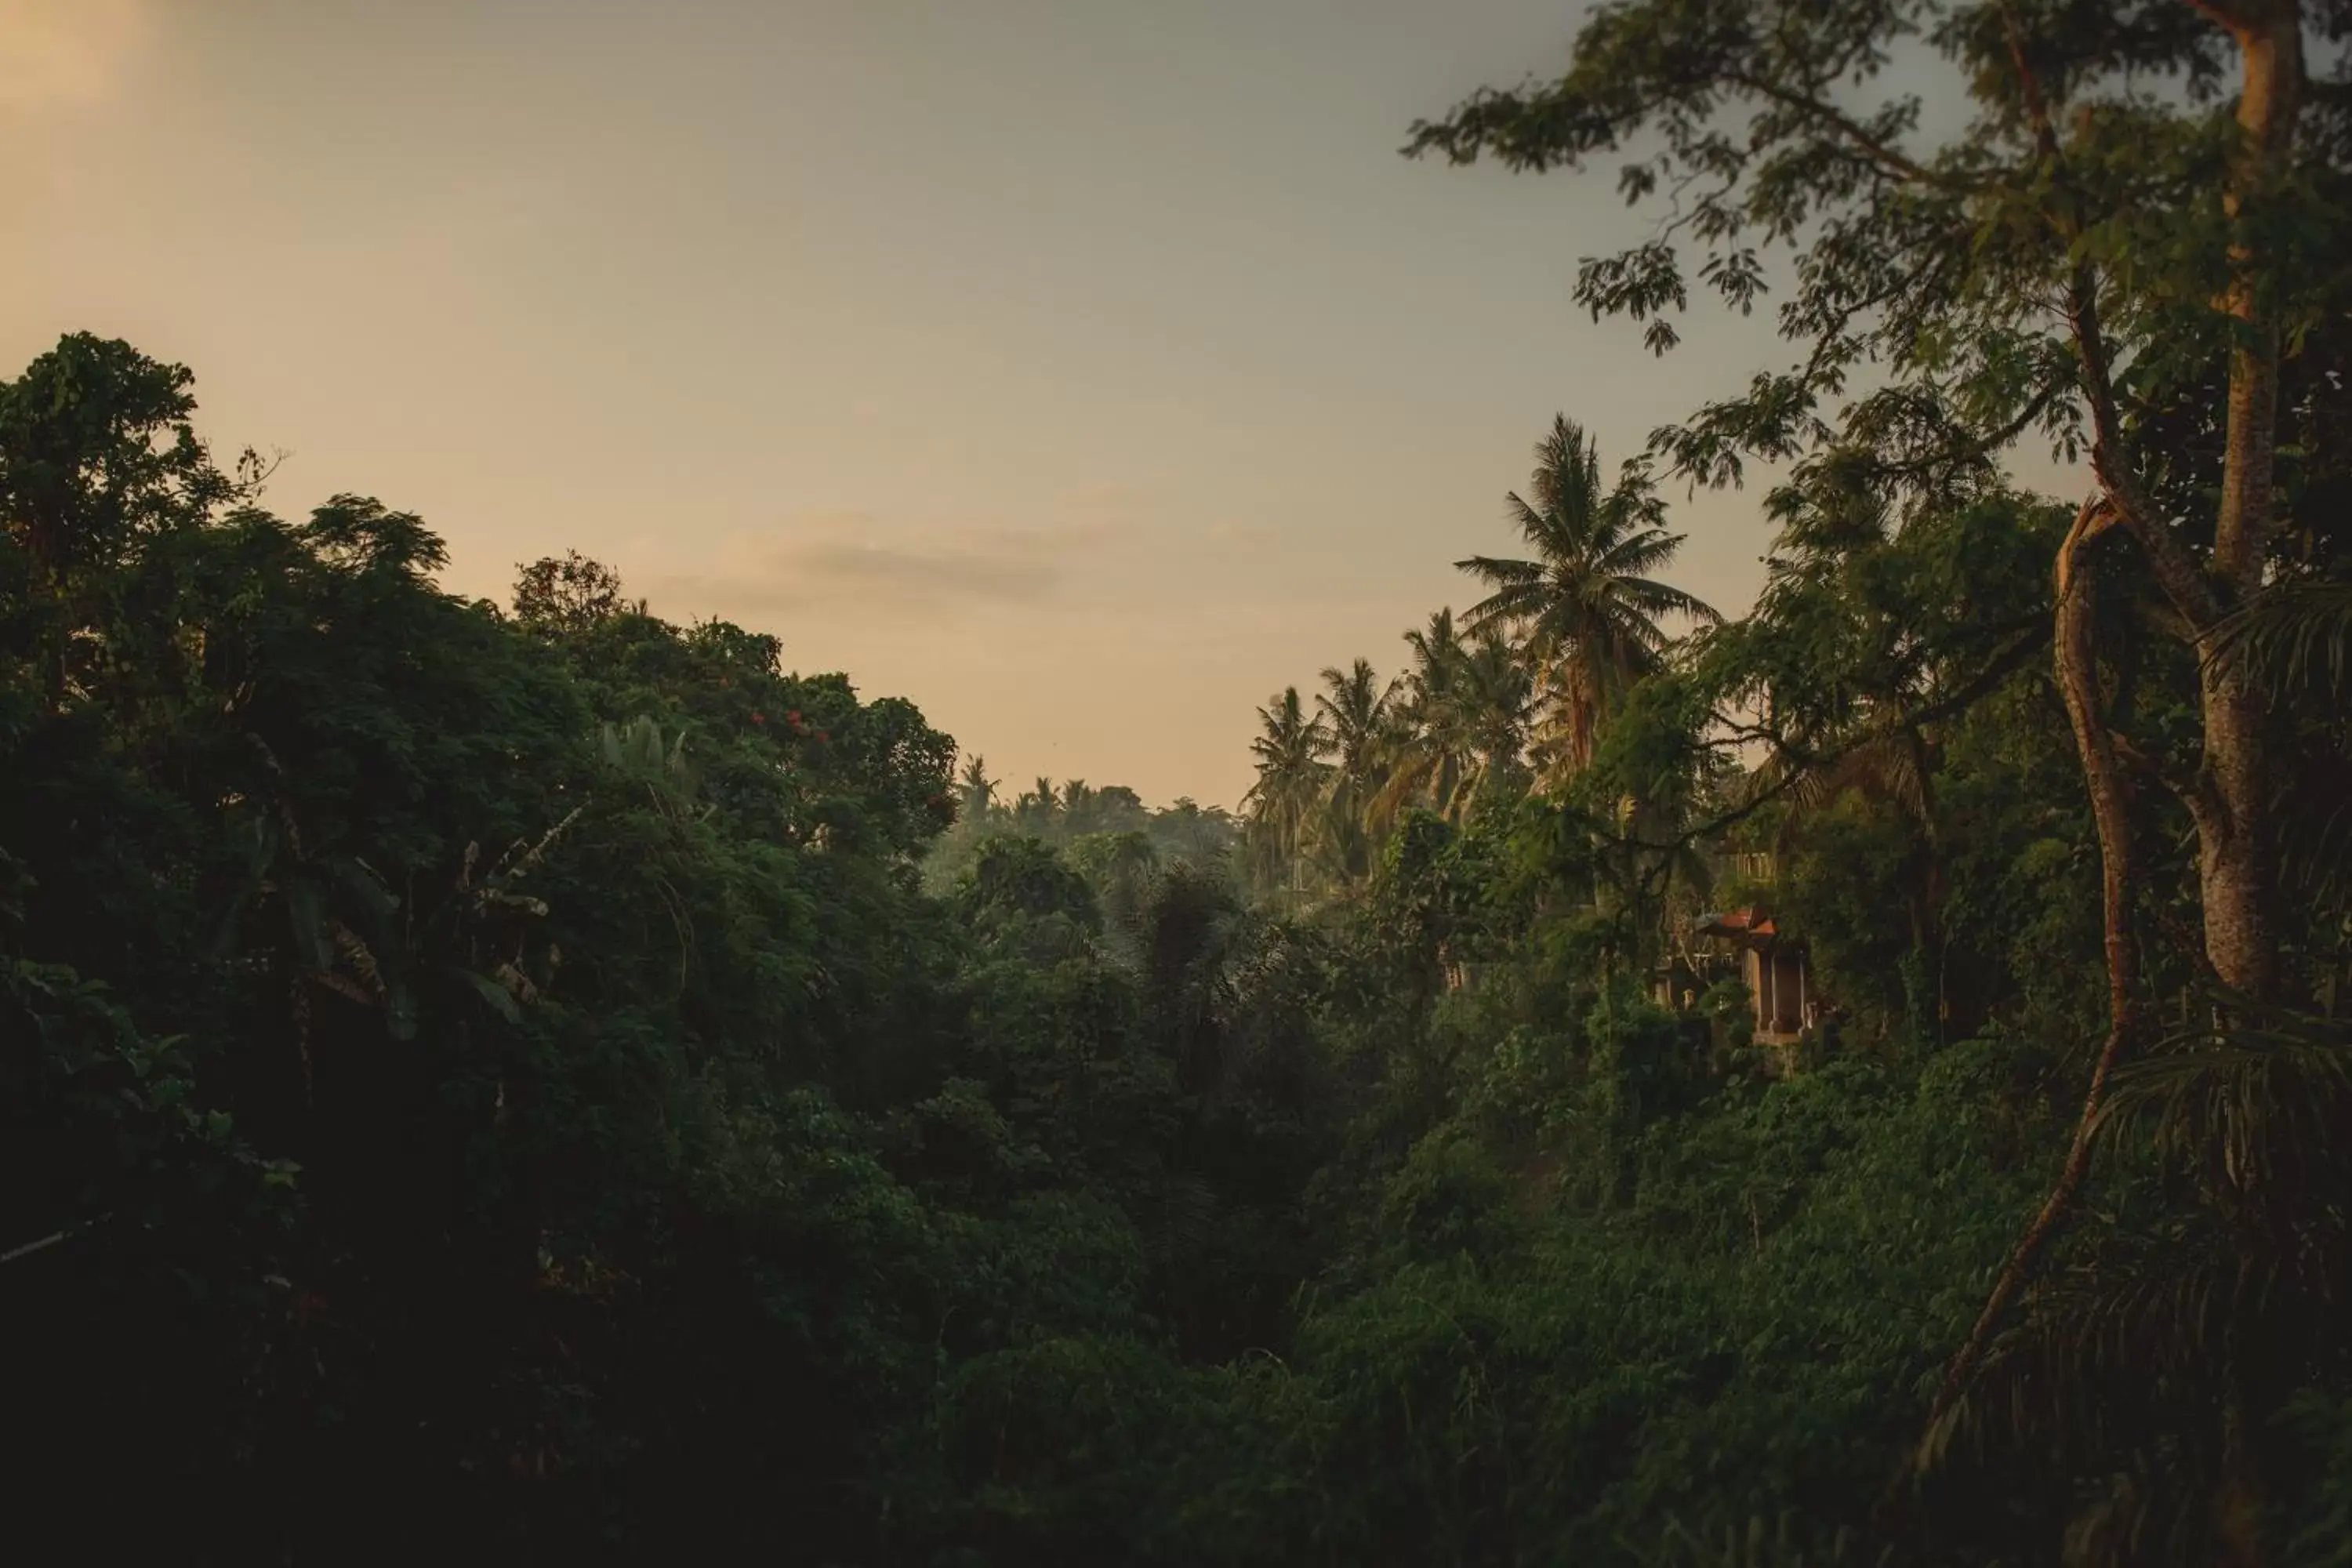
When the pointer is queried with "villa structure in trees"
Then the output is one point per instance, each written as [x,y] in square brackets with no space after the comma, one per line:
[1746,945]
[1772,968]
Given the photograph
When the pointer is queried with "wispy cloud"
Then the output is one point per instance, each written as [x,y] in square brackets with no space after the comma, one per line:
[1106,497]
[854,563]
[66,51]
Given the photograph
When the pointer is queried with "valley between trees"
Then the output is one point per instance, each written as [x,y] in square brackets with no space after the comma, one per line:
[1860,1081]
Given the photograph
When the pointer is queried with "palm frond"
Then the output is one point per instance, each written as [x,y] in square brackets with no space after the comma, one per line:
[1663,598]
[1637,552]
[2256,1100]
[1502,573]
[2291,634]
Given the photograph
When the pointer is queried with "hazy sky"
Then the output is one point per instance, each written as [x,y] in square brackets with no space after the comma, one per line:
[1084,370]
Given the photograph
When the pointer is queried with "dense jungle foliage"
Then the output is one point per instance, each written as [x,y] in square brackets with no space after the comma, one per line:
[536,1082]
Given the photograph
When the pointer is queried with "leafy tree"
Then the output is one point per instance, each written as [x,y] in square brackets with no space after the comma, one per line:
[569,595]
[2116,251]
[2106,261]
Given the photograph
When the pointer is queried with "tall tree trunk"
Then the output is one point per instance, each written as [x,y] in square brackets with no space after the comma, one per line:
[2239,1509]
[2078,681]
[2269,34]
[2231,803]
[2232,799]
[2235,850]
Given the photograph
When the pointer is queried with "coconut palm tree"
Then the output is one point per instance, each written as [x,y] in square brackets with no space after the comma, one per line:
[1495,695]
[1035,809]
[1432,747]
[1356,710]
[1077,808]
[1291,751]
[978,790]
[1354,707]
[1463,718]
[1583,609]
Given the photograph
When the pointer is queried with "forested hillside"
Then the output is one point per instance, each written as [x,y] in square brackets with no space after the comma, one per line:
[531,1081]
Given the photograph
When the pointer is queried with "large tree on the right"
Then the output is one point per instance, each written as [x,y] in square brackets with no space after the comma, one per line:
[2134,250]
[2131,247]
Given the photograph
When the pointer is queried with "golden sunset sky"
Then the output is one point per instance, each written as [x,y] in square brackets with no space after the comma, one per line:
[1084,370]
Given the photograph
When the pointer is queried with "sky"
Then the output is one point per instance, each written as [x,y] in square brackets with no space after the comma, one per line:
[1084,370]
